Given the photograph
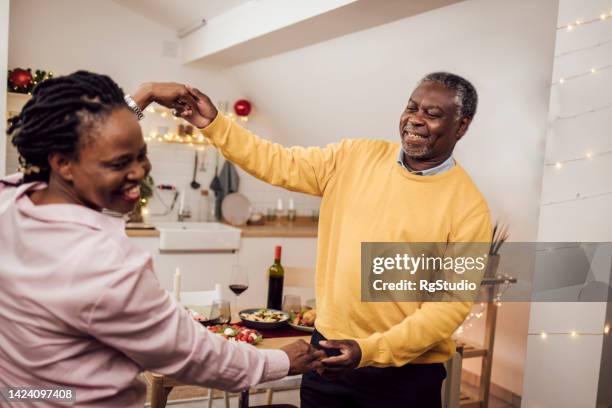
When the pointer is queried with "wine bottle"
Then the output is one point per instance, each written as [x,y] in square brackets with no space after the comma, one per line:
[276,277]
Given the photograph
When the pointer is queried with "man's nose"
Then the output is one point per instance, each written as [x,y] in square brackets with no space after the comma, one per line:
[415,119]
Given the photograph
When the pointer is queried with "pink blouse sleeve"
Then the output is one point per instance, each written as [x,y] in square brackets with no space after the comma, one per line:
[139,318]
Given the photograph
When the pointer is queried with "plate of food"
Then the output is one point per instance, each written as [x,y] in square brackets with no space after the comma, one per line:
[303,320]
[233,332]
[263,319]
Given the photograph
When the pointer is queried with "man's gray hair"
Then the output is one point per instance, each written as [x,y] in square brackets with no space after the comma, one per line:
[466,97]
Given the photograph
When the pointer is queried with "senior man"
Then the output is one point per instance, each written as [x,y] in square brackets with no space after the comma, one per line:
[387,353]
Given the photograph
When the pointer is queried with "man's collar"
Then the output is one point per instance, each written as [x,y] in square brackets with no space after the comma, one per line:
[444,166]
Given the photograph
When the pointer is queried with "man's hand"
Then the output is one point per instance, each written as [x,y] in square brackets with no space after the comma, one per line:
[303,357]
[349,358]
[201,112]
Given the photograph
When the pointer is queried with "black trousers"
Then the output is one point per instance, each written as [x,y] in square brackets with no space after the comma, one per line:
[409,386]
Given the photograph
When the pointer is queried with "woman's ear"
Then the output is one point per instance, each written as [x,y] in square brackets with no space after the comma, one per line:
[61,164]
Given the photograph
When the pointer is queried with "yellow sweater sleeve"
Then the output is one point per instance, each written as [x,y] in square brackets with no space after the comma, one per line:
[304,169]
[432,323]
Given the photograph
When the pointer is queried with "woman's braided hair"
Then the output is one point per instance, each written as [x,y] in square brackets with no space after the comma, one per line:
[60,110]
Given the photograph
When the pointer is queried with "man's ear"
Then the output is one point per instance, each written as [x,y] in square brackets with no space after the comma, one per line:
[463,127]
[61,164]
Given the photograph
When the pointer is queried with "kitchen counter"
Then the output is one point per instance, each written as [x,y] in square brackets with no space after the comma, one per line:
[139,232]
[302,227]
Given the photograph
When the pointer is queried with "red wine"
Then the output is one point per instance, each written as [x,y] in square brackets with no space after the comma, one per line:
[238,289]
[276,278]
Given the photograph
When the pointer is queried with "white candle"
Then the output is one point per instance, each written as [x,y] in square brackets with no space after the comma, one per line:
[291,204]
[177,285]
[279,204]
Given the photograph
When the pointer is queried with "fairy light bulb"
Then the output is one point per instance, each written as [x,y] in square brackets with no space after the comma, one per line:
[589,155]
[570,27]
[593,70]
[543,335]
[606,329]
[561,80]
[603,16]
[574,334]
[558,165]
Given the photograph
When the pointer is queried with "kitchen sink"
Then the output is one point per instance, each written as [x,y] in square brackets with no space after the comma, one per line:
[197,236]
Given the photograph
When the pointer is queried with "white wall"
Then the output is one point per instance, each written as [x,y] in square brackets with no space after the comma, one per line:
[357,85]
[4,43]
[576,202]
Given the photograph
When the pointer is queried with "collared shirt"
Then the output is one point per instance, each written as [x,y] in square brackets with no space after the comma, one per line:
[82,308]
[441,168]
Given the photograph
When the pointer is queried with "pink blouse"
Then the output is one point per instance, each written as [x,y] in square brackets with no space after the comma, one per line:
[81,308]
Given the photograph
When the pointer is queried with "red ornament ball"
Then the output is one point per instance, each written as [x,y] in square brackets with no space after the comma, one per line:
[21,78]
[242,107]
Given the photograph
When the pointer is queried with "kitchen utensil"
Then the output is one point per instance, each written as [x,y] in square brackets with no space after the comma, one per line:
[194,184]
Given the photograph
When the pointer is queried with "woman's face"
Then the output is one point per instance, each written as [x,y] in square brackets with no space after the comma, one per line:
[111,163]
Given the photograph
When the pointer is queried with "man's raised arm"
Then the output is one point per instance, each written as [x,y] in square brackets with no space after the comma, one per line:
[304,169]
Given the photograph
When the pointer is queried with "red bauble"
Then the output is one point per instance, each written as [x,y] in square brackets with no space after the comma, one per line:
[21,78]
[242,107]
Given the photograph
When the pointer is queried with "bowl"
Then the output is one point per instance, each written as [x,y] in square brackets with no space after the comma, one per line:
[253,324]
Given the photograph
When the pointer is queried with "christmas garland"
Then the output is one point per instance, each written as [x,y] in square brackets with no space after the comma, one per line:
[21,80]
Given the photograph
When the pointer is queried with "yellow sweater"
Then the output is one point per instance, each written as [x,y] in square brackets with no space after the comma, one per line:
[367,196]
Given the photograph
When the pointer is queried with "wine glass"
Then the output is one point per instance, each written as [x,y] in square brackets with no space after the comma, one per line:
[292,303]
[239,282]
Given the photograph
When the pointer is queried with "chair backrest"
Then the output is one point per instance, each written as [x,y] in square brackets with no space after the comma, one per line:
[300,281]
[299,276]
[201,298]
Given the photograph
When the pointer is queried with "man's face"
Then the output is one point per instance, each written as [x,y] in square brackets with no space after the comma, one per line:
[429,128]
[112,162]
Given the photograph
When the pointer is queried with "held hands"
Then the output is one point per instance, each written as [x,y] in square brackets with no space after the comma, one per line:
[349,358]
[303,357]
[187,102]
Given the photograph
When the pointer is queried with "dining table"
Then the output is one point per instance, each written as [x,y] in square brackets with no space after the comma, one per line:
[162,385]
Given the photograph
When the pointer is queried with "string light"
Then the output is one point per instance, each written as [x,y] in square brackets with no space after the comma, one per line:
[578,197]
[588,156]
[578,23]
[607,329]
[588,47]
[572,333]
[575,115]
[582,74]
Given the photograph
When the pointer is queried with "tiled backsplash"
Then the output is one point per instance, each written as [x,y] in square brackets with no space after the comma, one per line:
[173,164]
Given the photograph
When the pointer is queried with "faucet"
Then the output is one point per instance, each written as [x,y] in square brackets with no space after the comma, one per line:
[183,215]
[183,211]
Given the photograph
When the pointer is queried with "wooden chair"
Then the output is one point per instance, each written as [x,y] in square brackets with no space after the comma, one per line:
[201,298]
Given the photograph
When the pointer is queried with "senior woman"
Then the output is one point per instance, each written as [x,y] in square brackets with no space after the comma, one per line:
[81,306]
